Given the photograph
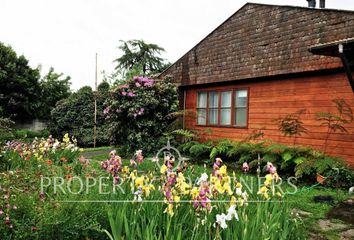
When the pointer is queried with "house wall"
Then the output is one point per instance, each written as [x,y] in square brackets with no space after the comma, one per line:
[272,99]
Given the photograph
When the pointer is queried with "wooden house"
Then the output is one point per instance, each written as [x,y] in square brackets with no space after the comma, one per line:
[267,61]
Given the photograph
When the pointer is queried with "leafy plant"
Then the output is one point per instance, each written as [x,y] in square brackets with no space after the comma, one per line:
[336,121]
[75,115]
[5,124]
[200,150]
[187,135]
[291,125]
[138,111]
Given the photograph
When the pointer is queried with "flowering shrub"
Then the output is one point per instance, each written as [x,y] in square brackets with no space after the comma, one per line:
[137,112]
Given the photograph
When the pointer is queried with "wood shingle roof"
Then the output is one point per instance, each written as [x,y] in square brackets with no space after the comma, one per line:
[263,40]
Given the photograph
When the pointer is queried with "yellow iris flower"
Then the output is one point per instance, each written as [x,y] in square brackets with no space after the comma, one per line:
[139,182]
[163,169]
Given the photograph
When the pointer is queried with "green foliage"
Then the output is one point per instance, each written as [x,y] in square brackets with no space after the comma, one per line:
[340,177]
[336,122]
[19,86]
[138,110]
[75,115]
[140,57]
[291,125]
[23,135]
[200,150]
[5,125]
[187,135]
[269,220]
[299,161]
[53,88]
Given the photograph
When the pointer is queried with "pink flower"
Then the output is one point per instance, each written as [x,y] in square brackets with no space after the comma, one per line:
[14,207]
[124,93]
[131,94]
[106,110]
[1,212]
[141,111]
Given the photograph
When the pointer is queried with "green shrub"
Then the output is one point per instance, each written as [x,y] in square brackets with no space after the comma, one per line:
[340,177]
[75,115]
[138,112]
[26,135]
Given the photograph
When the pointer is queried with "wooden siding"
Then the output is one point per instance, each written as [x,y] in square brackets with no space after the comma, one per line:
[271,99]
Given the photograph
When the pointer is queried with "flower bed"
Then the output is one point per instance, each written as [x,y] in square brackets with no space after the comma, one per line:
[48,191]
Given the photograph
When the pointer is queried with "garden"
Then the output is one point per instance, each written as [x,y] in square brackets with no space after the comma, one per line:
[147,177]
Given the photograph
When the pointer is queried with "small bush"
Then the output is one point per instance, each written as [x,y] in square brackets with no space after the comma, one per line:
[22,134]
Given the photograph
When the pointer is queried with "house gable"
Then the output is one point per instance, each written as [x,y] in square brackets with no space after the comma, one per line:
[263,40]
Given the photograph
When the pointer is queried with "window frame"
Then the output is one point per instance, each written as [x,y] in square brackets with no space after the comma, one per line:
[233,108]
[203,108]
[217,108]
[220,108]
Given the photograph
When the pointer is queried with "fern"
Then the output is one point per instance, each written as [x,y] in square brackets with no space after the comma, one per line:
[188,135]
[186,146]
[304,168]
[279,148]
[200,149]
[325,164]
[222,148]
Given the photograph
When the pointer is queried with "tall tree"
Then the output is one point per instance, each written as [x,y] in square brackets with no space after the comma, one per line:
[19,84]
[139,55]
[53,87]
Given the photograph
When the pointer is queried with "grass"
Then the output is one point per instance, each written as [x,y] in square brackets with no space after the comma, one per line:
[98,149]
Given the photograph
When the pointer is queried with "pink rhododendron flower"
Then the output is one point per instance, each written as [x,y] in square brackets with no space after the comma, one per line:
[130,94]
[106,110]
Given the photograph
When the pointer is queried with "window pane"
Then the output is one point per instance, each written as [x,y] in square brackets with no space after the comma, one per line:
[241,117]
[201,117]
[241,98]
[213,116]
[225,116]
[226,99]
[213,100]
[202,100]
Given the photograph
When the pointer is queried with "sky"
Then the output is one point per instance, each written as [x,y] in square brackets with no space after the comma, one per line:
[66,34]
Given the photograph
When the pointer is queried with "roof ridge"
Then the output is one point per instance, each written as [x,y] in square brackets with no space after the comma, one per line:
[303,7]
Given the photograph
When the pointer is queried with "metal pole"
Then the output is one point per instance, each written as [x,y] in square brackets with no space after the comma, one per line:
[95,117]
